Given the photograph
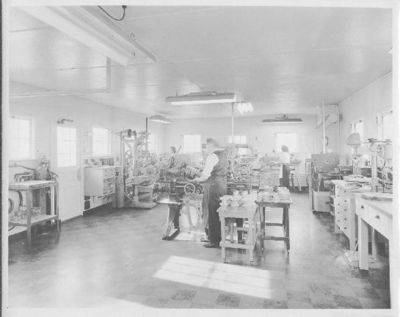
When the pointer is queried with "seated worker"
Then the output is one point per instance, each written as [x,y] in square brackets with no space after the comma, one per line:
[214,178]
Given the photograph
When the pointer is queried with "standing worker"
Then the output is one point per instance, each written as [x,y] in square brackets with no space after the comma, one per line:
[284,157]
[214,177]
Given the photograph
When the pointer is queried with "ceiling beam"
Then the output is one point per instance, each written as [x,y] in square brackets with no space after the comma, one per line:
[92,30]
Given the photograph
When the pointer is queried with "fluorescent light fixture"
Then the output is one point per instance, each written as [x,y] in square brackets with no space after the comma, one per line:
[244,107]
[159,118]
[283,119]
[88,26]
[201,99]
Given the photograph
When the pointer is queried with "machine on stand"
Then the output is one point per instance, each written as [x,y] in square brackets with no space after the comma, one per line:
[176,189]
[324,169]
[381,165]
[139,171]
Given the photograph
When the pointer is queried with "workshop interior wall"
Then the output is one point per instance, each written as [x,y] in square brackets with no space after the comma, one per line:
[260,136]
[365,104]
[45,111]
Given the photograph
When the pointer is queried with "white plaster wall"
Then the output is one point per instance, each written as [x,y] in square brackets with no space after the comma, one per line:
[365,104]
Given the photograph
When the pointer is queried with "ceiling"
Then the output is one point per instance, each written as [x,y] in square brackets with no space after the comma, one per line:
[282,60]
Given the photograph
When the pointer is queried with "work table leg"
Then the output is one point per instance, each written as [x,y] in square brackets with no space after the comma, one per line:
[374,244]
[251,238]
[362,244]
[286,226]
[223,237]
[29,215]
[262,213]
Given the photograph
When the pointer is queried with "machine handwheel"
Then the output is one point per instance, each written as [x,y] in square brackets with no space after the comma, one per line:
[189,188]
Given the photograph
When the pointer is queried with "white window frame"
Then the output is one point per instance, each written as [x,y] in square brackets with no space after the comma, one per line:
[31,138]
[238,139]
[192,149]
[75,163]
[355,128]
[380,123]
[152,145]
[108,153]
[291,148]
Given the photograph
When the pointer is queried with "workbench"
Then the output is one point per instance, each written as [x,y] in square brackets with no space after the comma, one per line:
[374,210]
[29,187]
[229,213]
[279,203]
[374,213]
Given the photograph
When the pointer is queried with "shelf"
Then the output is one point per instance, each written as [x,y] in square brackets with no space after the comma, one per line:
[34,220]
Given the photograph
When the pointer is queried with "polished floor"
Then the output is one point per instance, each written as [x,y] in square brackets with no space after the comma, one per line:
[117,257]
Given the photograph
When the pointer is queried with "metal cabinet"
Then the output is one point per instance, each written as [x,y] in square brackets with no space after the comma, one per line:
[99,186]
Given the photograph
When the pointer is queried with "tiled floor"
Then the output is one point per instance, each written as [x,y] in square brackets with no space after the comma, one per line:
[117,257]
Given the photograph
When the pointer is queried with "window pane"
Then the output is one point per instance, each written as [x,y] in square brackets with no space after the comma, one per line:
[238,139]
[288,139]
[359,127]
[192,143]
[20,139]
[101,141]
[66,146]
[152,143]
[387,126]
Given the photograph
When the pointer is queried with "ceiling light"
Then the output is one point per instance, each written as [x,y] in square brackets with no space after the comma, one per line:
[159,118]
[283,119]
[201,99]
[89,26]
[244,107]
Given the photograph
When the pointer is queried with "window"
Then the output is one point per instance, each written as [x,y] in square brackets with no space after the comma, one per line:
[191,143]
[358,126]
[101,141]
[388,126]
[66,146]
[287,138]
[21,139]
[240,140]
[152,143]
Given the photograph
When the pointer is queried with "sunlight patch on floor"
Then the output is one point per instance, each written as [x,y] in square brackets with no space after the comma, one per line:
[223,277]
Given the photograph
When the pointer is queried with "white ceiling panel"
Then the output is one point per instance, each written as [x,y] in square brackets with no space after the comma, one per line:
[280,59]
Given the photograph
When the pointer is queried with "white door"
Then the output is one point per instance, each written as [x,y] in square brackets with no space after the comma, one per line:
[67,164]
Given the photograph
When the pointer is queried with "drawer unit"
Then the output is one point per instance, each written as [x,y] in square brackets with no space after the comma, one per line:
[345,210]
[377,219]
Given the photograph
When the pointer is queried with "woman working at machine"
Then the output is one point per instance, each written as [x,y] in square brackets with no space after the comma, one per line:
[214,179]
[284,158]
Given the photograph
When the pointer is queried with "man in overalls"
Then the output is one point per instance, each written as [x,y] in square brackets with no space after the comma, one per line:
[214,177]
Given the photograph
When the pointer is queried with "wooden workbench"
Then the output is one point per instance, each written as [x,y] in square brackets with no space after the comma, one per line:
[285,205]
[226,214]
